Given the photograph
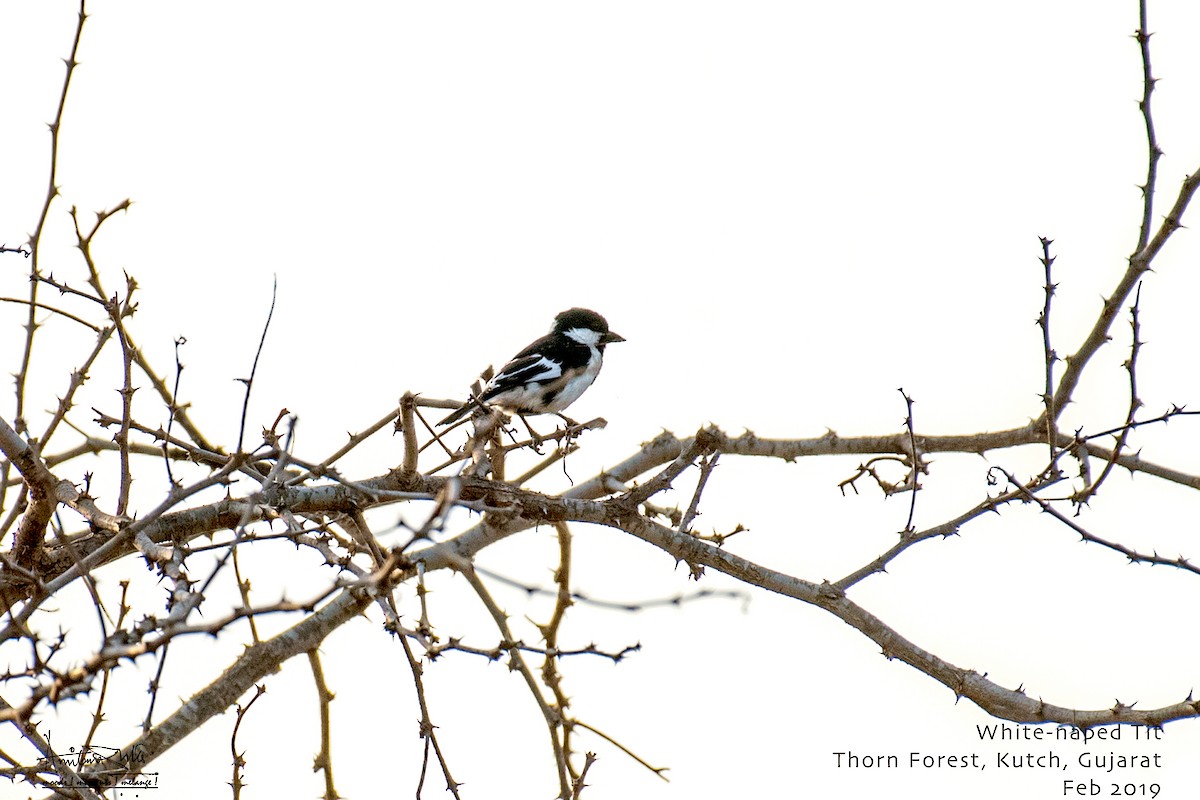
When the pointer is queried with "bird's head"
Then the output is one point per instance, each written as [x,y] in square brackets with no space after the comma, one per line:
[585,326]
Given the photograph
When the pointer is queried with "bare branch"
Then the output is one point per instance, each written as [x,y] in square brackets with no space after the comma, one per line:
[324,761]
[254,367]
[1155,153]
[552,716]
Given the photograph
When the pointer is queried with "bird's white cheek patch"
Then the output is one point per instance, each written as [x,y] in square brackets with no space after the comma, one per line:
[585,336]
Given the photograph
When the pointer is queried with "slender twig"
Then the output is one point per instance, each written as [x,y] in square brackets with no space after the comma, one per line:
[179,412]
[53,310]
[707,464]
[552,717]
[35,241]
[98,714]
[700,444]
[180,341]
[675,600]
[1142,36]
[551,677]
[322,469]
[496,652]
[908,538]
[324,760]
[914,467]
[239,760]
[243,585]
[254,367]
[155,683]
[193,452]
[578,785]
[1048,354]
[78,376]
[1135,403]
[1132,555]
[117,311]
[656,770]
[428,731]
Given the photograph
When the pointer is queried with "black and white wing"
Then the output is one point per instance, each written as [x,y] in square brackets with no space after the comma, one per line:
[528,366]
[516,385]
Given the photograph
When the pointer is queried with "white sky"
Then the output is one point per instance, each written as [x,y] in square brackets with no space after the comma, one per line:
[788,209]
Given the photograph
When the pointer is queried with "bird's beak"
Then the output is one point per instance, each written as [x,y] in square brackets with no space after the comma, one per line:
[611,337]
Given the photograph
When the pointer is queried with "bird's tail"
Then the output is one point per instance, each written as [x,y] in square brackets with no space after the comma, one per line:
[460,412]
[457,414]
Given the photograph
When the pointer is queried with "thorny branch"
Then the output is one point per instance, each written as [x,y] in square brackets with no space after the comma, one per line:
[239,758]
[552,715]
[1050,357]
[324,761]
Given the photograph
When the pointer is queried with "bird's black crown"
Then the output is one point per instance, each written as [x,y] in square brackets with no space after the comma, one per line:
[580,318]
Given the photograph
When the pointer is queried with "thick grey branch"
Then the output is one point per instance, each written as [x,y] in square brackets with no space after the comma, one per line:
[255,663]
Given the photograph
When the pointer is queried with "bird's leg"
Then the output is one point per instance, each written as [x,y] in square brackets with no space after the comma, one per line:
[536,438]
[571,432]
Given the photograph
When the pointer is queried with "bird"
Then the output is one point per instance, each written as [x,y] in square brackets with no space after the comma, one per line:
[552,372]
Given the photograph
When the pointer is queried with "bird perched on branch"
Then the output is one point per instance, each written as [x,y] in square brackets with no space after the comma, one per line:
[550,374]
